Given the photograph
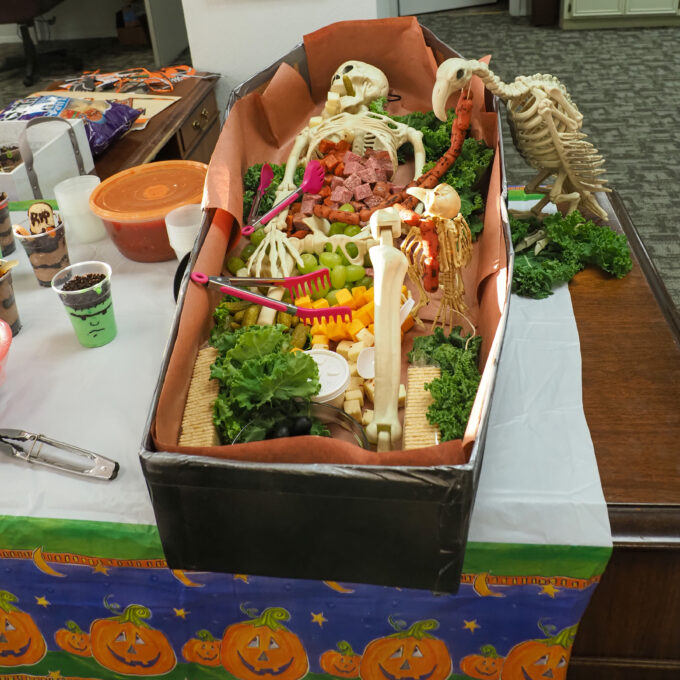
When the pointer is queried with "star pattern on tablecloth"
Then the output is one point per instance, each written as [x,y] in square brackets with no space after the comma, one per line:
[471,625]
[180,613]
[318,618]
[42,601]
[549,589]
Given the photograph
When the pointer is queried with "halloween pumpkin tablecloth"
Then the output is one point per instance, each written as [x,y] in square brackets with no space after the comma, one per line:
[85,591]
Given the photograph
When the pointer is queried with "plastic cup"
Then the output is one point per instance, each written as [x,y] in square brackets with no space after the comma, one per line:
[73,198]
[183,225]
[7,244]
[90,309]
[333,376]
[8,305]
[46,252]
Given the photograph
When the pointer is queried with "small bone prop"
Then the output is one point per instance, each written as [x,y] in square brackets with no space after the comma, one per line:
[389,269]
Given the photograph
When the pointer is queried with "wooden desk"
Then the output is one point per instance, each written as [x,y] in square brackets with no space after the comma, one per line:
[630,346]
[188,129]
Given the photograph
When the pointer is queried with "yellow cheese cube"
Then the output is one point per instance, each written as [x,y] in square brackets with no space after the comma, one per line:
[368,295]
[369,389]
[335,331]
[353,370]
[408,324]
[355,394]
[304,301]
[344,298]
[367,417]
[319,340]
[402,395]
[318,328]
[353,408]
[366,337]
[356,382]
[366,312]
[343,348]
[359,295]
[371,328]
[321,303]
[355,327]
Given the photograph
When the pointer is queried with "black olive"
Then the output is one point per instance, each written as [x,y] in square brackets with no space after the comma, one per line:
[281,430]
[301,425]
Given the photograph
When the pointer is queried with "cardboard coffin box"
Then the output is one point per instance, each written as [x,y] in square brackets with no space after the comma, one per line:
[308,507]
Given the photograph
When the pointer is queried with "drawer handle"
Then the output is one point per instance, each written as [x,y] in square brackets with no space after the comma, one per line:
[205,113]
[196,125]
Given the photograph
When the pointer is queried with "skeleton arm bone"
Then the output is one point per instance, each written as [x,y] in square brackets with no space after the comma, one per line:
[416,138]
[296,153]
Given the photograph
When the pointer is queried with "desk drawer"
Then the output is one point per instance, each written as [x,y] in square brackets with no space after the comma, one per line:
[198,121]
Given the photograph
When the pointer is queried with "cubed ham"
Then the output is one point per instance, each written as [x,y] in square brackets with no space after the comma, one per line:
[357,205]
[325,191]
[397,188]
[351,157]
[341,195]
[383,155]
[367,174]
[381,175]
[331,161]
[373,200]
[351,168]
[308,203]
[362,192]
[337,182]
[352,182]
[381,189]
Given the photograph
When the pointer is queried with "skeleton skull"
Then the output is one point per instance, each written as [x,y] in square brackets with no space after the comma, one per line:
[358,83]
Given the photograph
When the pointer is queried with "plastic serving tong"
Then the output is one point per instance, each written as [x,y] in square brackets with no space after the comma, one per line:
[312,181]
[293,284]
[41,450]
[266,177]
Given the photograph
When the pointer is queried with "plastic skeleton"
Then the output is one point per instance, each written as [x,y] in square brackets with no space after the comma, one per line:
[546,126]
[345,116]
[442,237]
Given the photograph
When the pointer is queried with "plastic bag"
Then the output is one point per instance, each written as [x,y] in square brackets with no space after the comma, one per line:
[105,121]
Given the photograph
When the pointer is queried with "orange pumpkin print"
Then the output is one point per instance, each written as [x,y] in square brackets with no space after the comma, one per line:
[487,665]
[125,643]
[203,649]
[343,663]
[21,642]
[540,659]
[408,654]
[73,640]
[263,648]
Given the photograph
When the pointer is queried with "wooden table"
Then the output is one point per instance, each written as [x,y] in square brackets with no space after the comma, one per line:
[188,129]
[630,345]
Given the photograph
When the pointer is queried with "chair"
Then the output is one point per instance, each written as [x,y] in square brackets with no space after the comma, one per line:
[24,13]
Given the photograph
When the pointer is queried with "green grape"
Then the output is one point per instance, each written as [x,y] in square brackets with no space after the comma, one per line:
[366,281]
[257,236]
[321,291]
[234,264]
[343,259]
[332,297]
[247,252]
[337,228]
[355,272]
[367,261]
[352,249]
[339,276]
[347,207]
[329,260]
[352,230]
[309,263]
[328,248]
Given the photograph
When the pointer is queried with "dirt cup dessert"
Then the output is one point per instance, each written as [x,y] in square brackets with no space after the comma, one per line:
[45,243]
[7,244]
[85,290]
[8,305]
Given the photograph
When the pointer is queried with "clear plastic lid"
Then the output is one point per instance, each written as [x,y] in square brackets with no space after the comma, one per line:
[333,374]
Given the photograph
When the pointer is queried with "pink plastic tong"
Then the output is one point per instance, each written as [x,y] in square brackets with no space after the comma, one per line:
[297,286]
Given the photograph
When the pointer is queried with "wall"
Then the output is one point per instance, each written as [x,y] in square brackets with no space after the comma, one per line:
[74,19]
[237,38]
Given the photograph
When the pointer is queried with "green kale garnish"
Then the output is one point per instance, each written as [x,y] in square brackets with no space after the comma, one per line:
[455,390]
[251,181]
[565,246]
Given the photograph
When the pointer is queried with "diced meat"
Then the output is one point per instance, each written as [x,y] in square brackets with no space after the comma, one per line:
[337,182]
[331,162]
[357,205]
[325,191]
[367,174]
[342,146]
[382,175]
[298,221]
[397,188]
[352,182]
[341,195]
[383,155]
[351,157]
[372,201]
[351,168]
[308,203]
[326,146]
[362,192]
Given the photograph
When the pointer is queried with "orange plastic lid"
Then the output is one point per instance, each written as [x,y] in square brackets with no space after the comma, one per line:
[149,191]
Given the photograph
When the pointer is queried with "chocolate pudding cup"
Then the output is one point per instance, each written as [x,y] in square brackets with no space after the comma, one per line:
[46,252]
[7,244]
[8,305]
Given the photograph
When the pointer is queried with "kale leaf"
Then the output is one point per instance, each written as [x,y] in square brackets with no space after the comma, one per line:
[251,181]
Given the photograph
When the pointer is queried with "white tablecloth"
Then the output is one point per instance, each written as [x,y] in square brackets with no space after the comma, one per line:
[539,482]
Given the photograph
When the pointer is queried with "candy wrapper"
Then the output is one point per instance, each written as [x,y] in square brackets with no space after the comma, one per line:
[105,121]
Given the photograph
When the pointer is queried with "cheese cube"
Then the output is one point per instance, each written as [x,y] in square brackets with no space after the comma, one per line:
[402,395]
[354,351]
[359,295]
[408,324]
[369,389]
[356,382]
[343,348]
[367,417]
[335,331]
[304,301]
[366,337]
[368,295]
[353,408]
[353,370]
[318,328]
[344,298]
[355,394]
[319,340]
[321,303]
[355,327]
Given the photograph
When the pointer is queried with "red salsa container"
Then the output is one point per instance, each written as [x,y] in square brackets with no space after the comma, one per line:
[133,205]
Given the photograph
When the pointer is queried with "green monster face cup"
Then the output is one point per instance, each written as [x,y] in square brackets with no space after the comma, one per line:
[85,290]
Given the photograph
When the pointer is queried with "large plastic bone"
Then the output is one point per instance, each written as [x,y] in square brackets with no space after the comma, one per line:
[389,269]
